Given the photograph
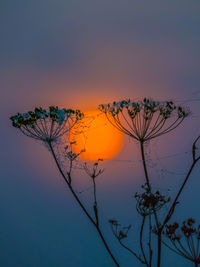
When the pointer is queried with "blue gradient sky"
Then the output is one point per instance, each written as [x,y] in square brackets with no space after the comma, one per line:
[80,54]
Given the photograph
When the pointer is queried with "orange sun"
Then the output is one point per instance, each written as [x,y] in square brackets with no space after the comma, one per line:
[96,136]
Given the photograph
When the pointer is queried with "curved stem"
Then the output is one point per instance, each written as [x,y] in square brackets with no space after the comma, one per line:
[132,252]
[82,206]
[69,185]
[171,210]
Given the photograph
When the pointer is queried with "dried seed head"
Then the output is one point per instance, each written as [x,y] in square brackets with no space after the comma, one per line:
[149,202]
[145,119]
[46,125]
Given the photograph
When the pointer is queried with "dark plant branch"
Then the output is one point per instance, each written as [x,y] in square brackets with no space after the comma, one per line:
[141,241]
[47,126]
[175,202]
[149,243]
[122,234]
[95,223]
[93,174]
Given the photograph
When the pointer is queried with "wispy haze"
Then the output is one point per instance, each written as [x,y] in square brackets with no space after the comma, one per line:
[80,54]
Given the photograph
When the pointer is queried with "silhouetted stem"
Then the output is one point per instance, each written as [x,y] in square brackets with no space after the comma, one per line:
[149,244]
[144,164]
[69,185]
[141,241]
[132,252]
[124,246]
[154,211]
[159,240]
[95,202]
[171,210]
[82,206]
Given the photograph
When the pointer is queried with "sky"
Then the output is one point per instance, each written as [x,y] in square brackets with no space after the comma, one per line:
[80,54]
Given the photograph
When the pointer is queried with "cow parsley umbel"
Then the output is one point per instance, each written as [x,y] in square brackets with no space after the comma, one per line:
[49,126]
[145,119]
[148,202]
[46,125]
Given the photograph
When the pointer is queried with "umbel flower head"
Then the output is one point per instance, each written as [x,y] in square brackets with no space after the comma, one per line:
[149,202]
[95,170]
[118,231]
[46,125]
[185,239]
[145,119]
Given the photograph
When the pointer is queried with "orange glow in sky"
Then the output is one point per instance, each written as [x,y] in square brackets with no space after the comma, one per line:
[97,137]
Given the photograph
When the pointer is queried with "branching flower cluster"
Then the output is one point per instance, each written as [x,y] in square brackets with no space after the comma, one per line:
[185,239]
[93,172]
[148,202]
[145,119]
[46,125]
[119,232]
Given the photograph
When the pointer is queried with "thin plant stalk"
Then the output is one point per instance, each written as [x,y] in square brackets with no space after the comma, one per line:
[119,234]
[149,243]
[175,202]
[154,211]
[142,124]
[95,202]
[47,126]
[141,241]
[81,205]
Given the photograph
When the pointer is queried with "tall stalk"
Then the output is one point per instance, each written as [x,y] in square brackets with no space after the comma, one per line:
[174,203]
[96,224]
[141,241]
[159,243]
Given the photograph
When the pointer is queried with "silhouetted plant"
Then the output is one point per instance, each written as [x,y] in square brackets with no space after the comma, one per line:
[148,202]
[93,173]
[142,121]
[49,126]
[121,233]
[145,120]
[184,240]
[46,125]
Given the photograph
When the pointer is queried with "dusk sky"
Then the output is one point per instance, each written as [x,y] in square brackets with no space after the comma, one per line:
[79,54]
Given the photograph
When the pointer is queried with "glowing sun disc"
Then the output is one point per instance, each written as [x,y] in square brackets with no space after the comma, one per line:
[97,137]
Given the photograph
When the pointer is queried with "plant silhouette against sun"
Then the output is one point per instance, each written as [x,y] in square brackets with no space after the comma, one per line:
[49,126]
[44,125]
[143,121]
[93,172]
